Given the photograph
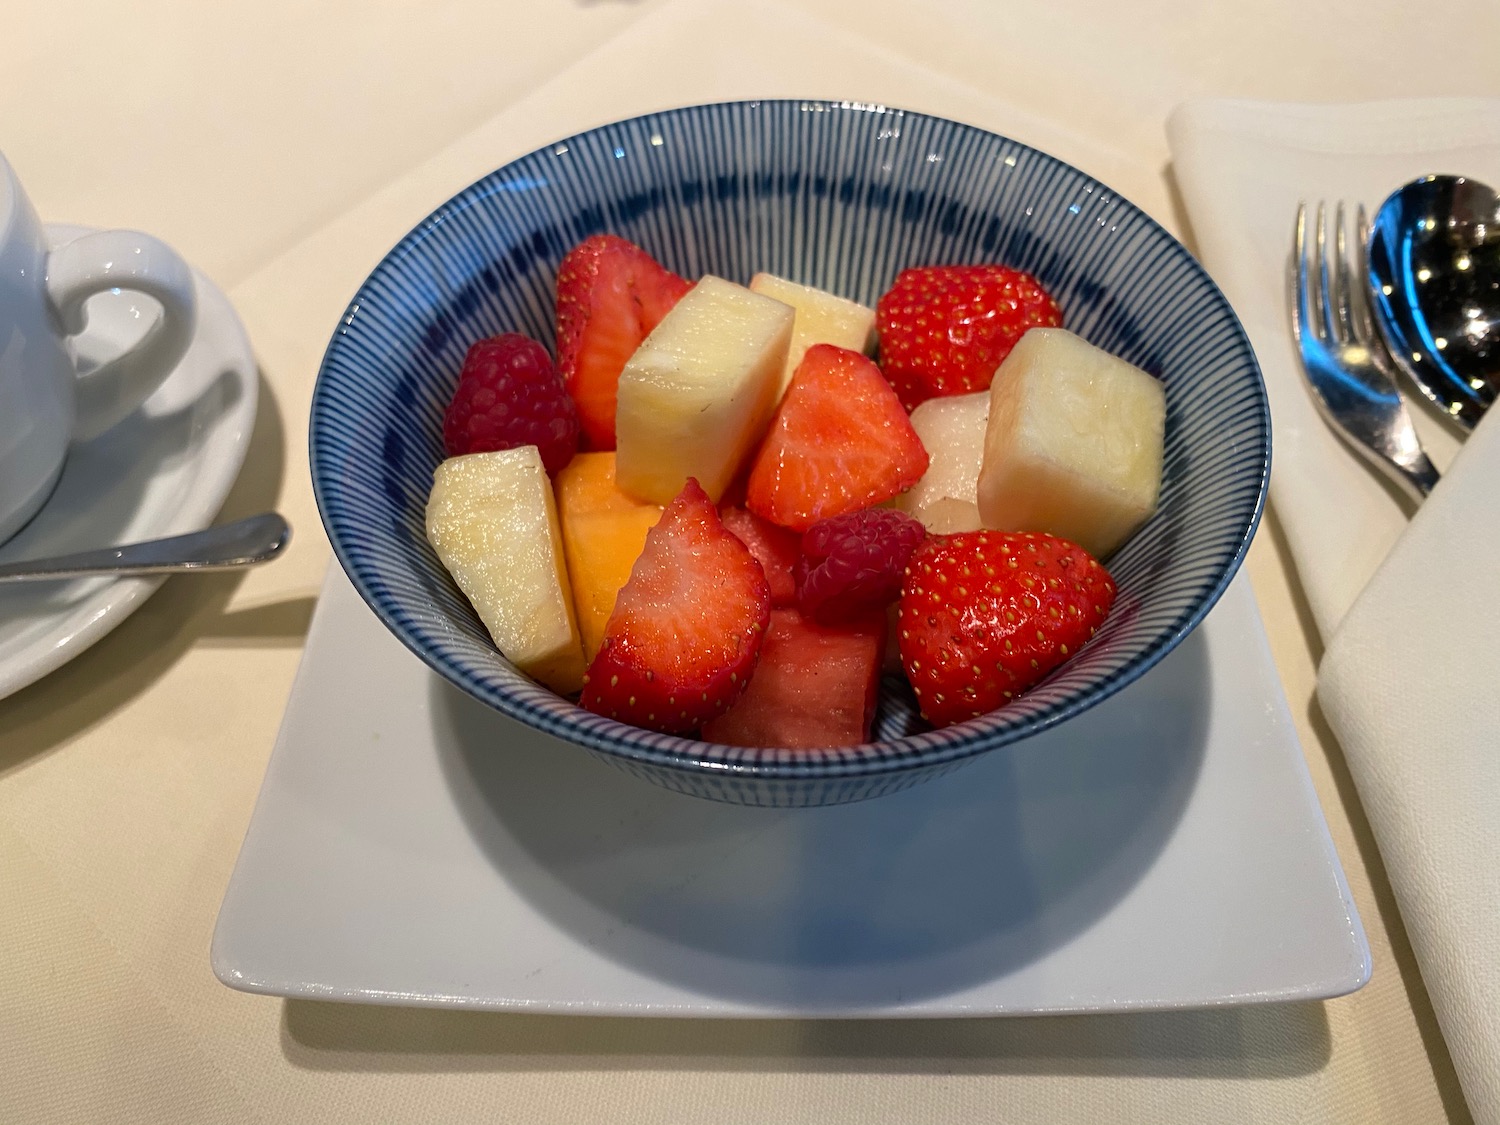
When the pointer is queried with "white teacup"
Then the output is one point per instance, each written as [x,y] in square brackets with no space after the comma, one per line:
[44,405]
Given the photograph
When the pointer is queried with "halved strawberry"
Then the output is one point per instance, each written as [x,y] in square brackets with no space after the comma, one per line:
[984,615]
[610,295]
[840,442]
[687,627]
[775,548]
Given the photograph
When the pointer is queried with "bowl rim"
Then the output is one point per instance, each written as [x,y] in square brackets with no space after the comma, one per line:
[694,757]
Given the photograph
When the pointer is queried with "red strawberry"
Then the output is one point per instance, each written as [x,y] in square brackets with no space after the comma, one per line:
[984,615]
[610,295]
[816,685]
[687,626]
[944,329]
[775,548]
[840,442]
[510,395]
[852,564]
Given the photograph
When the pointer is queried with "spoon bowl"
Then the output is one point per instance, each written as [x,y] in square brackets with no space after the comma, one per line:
[1434,261]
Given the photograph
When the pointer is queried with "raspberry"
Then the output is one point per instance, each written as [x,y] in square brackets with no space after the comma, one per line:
[854,563]
[510,394]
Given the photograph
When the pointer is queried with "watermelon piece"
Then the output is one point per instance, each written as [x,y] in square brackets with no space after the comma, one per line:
[815,686]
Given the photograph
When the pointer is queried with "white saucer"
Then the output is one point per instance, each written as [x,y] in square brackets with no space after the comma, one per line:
[1164,850]
[165,470]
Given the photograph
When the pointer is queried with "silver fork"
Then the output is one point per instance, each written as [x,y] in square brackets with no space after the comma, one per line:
[1352,377]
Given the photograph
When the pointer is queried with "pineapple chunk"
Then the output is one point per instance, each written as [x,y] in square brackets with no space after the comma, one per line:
[822,318]
[493,523]
[952,431]
[696,396]
[1073,446]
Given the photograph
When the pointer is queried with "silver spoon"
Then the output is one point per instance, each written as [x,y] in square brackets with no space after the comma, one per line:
[1434,257]
[231,545]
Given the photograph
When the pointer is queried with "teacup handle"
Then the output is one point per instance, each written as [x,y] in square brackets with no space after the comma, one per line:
[122,259]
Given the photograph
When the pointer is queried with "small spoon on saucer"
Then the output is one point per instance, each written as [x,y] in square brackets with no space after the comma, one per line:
[1434,254]
[232,545]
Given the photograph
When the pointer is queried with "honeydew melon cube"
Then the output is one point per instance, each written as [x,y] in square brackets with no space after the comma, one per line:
[492,520]
[1073,443]
[952,430]
[822,318]
[696,397]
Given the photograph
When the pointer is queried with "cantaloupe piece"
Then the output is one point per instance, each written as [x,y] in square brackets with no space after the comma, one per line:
[952,429]
[1073,443]
[822,318]
[695,398]
[603,531]
[492,520]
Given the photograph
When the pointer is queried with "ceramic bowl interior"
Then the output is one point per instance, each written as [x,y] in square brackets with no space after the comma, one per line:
[837,195]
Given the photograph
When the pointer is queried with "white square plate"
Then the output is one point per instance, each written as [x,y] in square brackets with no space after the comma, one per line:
[411,847]
[1163,850]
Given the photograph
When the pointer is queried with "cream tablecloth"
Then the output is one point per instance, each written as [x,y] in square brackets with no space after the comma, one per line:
[283,147]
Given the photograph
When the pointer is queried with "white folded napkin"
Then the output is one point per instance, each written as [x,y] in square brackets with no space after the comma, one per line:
[1409,685]
[1411,614]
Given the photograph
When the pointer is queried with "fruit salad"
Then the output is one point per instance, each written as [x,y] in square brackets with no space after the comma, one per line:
[727,508]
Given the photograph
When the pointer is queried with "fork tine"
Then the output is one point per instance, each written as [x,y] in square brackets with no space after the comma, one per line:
[1322,297]
[1361,319]
[1301,305]
[1345,292]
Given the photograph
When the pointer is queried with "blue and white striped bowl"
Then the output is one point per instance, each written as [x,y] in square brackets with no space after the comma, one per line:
[837,195]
